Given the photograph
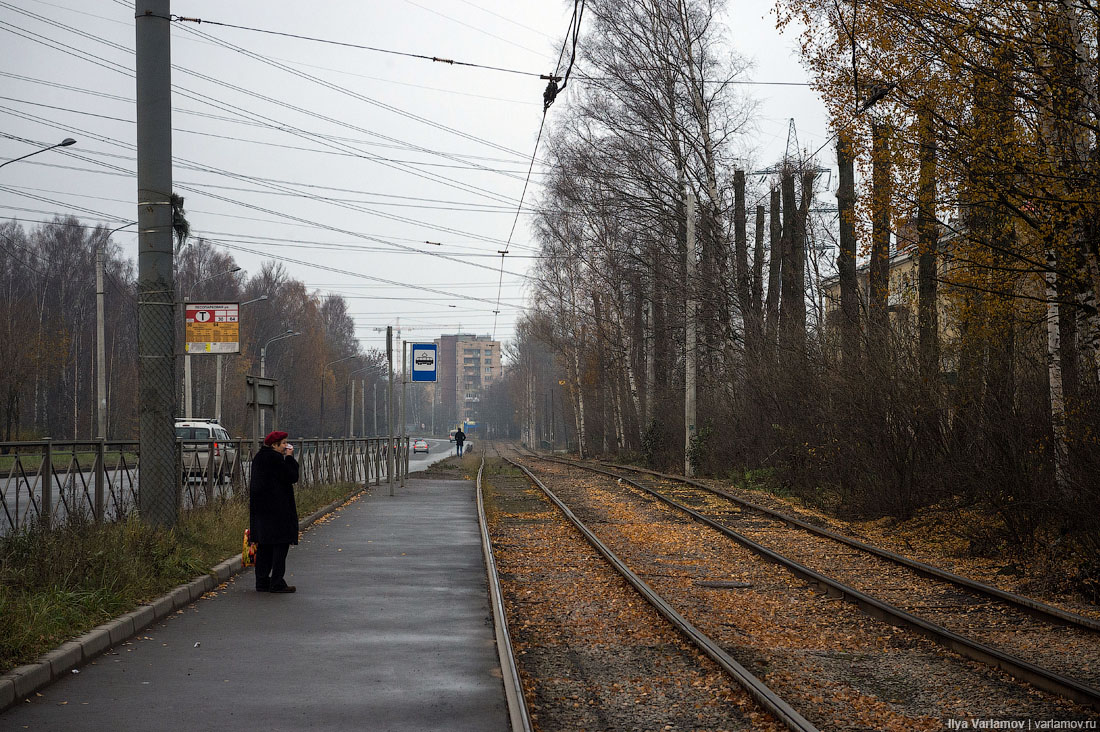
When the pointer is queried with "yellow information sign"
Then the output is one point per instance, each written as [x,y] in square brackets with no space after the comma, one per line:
[212,328]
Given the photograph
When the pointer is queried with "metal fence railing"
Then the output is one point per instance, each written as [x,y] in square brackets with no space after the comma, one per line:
[51,482]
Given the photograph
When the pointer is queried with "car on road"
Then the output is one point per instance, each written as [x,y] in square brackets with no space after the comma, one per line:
[197,434]
[420,445]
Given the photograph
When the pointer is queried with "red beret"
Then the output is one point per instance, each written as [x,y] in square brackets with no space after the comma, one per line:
[275,436]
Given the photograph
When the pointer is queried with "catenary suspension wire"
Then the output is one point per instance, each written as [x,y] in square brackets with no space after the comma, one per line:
[549,96]
[233,109]
[297,36]
[281,214]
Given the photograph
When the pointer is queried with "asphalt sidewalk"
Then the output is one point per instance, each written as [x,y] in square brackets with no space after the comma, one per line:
[390,630]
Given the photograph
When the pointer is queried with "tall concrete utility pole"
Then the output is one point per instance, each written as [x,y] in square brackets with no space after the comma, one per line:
[156,276]
[374,413]
[390,459]
[689,337]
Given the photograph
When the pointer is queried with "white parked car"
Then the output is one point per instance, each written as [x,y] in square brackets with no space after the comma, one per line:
[196,457]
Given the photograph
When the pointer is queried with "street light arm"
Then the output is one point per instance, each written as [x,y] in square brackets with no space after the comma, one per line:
[358,371]
[345,358]
[64,143]
[207,279]
[288,334]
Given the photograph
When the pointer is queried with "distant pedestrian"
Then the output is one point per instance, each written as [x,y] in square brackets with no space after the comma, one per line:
[273,514]
[460,437]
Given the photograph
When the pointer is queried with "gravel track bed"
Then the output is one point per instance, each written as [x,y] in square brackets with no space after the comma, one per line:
[593,655]
[985,570]
[841,669]
[1073,652]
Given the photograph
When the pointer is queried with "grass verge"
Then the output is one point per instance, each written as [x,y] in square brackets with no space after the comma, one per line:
[55,585]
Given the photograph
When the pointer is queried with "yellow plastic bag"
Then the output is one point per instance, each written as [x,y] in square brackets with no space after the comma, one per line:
[248,550]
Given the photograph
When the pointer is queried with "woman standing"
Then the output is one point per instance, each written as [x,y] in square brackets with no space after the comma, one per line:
[272,512]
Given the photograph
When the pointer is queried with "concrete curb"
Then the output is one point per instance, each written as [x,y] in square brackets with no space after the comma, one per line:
[24,681]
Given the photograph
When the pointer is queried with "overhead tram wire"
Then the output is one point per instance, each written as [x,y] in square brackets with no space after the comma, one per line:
[236,120]
[336,87]
[349,273]
[483,168]
[283,215]
[297,36]
[255,240]
[474,28]
[476,208]
[259,181]
[233,109]
[348,92]
[549,96]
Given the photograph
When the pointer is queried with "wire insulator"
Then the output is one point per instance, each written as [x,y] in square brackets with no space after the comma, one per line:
[549,95]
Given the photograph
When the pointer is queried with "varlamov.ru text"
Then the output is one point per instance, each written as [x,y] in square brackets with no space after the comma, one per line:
[1025,724]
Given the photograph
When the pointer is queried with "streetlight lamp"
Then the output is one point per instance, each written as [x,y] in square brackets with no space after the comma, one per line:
[64,143]
[100,358]
[263,361]
[218,367]
[187,354]
[323,372]
[351,400]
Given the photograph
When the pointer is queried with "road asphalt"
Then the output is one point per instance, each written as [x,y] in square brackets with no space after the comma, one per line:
[390,630]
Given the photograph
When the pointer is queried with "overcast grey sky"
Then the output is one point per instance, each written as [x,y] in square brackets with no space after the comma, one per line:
[414,151]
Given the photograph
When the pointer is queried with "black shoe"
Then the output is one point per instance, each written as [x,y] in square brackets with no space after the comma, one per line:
[285,589]
[263,588]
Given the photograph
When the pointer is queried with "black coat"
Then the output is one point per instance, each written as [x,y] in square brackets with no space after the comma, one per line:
[273,514]
[460,437]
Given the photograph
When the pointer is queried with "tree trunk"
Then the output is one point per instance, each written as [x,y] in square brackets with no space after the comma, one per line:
[878,305]
[928,244]
[756,306]
[792,306]
[742,275]
[846,262]
[775,270]
[1054,373]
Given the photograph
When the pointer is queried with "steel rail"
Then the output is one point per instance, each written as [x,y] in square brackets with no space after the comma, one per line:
[756,688]
[1038,676]
[518,713]
[1029,605]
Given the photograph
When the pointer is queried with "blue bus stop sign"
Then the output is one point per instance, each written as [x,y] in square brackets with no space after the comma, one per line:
[423,361]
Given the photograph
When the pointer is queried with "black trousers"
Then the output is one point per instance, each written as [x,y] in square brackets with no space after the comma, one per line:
[271,565]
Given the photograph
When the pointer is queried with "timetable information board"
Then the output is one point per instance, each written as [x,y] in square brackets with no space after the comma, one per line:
[212,328]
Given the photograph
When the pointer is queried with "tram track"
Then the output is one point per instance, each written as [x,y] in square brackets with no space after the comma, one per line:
[972,619]
[763,697]
[519,715]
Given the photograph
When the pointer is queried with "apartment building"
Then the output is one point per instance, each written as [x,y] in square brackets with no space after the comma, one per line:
[467,365]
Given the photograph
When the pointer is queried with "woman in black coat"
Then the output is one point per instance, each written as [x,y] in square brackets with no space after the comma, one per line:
[273,514]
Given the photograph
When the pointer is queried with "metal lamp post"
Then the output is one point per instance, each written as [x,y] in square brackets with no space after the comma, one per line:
[351,399]
[187,412]
[218,367]
[263,361]
[100,356]
[323,372]
[64,143]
